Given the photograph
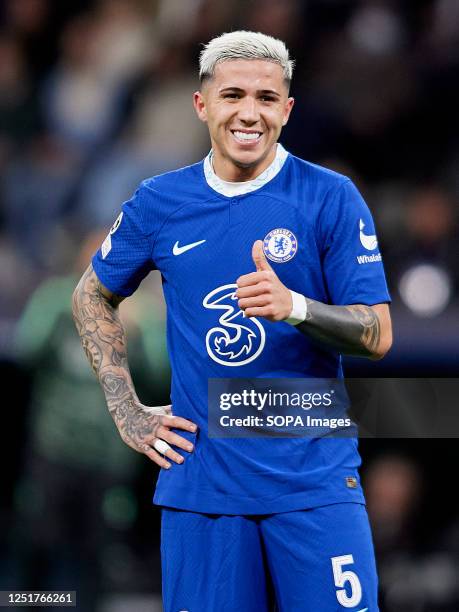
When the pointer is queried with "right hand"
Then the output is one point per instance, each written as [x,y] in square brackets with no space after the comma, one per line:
[145,429]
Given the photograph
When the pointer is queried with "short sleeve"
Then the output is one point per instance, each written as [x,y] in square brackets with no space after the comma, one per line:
[352,262]
[124,258]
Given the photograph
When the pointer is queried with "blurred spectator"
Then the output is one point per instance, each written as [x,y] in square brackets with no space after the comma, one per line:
[279,19]
[164,126]
[31,23]
[125,42]
[425,262]
[444,30]
[112,179]
[37,185]
[18,110]
[16,282]
[413,576]
[393,490]
[101,53]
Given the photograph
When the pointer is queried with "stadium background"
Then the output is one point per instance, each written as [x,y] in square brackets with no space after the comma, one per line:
[94,97]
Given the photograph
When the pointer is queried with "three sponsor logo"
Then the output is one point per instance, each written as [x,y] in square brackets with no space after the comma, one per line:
[236,340]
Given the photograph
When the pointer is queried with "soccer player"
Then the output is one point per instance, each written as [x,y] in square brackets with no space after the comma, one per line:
[270,268]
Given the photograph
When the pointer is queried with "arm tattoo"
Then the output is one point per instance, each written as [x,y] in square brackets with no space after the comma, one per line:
[369,321]
[352,330]
[104,341]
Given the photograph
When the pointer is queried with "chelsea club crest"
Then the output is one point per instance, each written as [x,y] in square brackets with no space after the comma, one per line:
[280,245]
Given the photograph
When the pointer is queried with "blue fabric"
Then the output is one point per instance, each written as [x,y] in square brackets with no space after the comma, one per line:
[243,564]
[324,211]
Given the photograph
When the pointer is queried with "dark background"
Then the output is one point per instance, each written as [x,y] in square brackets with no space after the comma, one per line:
[94,97]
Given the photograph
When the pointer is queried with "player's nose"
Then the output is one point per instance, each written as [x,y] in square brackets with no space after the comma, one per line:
[248,110]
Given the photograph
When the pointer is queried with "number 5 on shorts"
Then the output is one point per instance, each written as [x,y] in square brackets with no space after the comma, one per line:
[341,577]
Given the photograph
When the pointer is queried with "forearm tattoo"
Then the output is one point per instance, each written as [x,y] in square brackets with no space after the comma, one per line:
[352,330]
[104,341]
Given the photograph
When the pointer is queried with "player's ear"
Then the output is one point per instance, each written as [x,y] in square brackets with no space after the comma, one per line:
[200,105]
[287,110]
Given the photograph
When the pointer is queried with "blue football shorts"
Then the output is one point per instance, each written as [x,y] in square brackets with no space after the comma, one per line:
[318,560]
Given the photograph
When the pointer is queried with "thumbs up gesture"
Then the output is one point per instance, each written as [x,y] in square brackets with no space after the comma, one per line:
[261,293]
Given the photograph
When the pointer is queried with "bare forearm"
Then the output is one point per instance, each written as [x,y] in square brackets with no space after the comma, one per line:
[352,330]
[104,341]
[143,428]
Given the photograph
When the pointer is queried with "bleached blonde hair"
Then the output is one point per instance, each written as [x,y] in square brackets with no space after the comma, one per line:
[244,44]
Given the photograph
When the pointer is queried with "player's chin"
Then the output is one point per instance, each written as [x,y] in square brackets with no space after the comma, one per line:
[247,152]
[248,159]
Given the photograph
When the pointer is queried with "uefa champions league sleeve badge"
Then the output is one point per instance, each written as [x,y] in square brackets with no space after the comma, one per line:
[280,245]
[107,243]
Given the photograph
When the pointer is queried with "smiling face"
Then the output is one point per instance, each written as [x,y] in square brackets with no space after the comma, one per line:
[245,105]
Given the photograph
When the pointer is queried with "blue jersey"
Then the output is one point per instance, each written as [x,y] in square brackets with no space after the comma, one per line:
[321,238]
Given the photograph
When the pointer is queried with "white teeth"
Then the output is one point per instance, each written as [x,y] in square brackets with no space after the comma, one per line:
[245,136]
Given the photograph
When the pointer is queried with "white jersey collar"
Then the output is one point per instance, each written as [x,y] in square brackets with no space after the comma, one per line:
[230,188]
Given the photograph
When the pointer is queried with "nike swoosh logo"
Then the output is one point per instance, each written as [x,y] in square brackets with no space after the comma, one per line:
[363,610]
[178,250]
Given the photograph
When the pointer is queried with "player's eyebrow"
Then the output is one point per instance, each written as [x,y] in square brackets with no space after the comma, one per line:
[269,92]
[231,89]
[263,92]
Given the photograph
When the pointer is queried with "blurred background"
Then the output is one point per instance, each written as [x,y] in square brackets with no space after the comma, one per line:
[95,95]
